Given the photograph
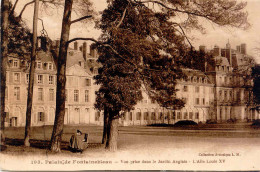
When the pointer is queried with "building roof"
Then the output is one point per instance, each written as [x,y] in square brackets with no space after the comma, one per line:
[222,61]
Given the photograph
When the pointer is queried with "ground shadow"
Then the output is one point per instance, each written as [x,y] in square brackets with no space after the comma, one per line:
[41,144]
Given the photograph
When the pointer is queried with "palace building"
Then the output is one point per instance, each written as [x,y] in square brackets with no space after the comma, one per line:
[218,94]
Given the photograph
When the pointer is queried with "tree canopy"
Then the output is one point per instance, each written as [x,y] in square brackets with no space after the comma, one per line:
[150,38]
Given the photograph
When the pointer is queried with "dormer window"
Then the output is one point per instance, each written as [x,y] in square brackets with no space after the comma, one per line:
[15,63]
[200,80]
[195,79]
[88,82]
[50,66]
[205,81]
[39,65]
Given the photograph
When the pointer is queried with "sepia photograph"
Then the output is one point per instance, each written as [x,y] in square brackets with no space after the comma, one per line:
[130,85]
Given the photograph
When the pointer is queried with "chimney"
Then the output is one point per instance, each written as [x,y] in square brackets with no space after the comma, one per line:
[75,45]
[44,44]
[216,51]
[238,48]
[243,49]
[84,50]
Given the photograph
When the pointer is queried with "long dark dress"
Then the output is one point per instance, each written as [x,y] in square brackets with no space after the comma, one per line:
[78,142]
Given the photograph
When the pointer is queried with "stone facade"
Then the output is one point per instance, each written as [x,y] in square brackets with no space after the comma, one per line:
[219,94]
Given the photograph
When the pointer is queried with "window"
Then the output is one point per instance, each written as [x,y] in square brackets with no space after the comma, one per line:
[197,101]
[230,95]
[138,115]
[220,94]
[66,95]
[76,95]
[40,79]
[88,82]
[146,115]
[190,115]
[41,116]
[130,116]
[6,93]
[6,116]
[27,78]
[212,90]
[16,77]
[203,101]
[185,88]
[197,89]
[225,95]
[153,117]
[15,63]
[238,95]
[161,116]
[197,115]
[97,115]
[173,115]
[178,115]
[95,71]
[39,65]
[51,79]
[51,92]
[17,93]
[50,66]
[40,94]
[185,115]
[86,95]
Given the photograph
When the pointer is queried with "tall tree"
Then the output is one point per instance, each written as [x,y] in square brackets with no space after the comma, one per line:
[61,79]
[61,73]
[31,76]
[148,44]
[256,85]
[4,53]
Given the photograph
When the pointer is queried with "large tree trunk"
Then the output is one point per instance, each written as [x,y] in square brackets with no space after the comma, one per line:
[105,128]
[4,50]
[61,79]
[31,77]
[112,131]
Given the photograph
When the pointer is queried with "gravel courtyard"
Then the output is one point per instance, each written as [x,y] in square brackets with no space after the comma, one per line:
[141,147]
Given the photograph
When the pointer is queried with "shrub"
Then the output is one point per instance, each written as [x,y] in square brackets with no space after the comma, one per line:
[211,121]
[185,122]
[256,123]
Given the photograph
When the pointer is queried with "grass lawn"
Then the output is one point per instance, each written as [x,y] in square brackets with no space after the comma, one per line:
[129,137]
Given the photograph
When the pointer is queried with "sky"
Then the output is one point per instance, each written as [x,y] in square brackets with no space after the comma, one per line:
[214,35]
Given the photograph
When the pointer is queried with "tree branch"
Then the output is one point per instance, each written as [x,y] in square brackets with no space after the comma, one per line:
[24,7]
[183,32]
[81,18]
[175,9]
[122,18]
[12,10]
[29,3]
[114,51]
